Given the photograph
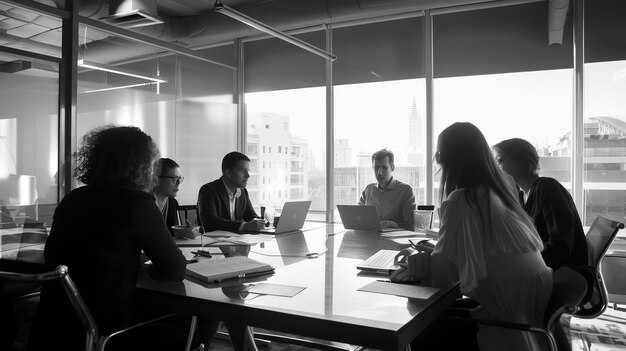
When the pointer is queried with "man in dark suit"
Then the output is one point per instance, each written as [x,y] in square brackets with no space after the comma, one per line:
[224,204]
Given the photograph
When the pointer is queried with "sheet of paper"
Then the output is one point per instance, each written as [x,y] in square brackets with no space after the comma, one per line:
[406,290]
[406,242]
[220,233]
[399,234]
[275,289]
[241,239]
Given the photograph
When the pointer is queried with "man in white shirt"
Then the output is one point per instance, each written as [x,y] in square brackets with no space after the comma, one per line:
[224,204]
[393,199]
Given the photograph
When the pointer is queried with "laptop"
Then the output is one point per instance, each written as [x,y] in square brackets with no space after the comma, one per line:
[380,262]
[291,219]
[362,218]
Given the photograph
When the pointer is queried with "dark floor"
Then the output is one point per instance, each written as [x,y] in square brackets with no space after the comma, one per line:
[605,333]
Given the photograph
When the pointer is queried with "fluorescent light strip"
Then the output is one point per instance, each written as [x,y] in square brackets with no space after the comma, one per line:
[225,10]
[117,70]
[116,88]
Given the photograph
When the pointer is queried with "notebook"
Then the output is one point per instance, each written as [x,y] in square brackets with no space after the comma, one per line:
[291,218]
[380,262]
[237,267]
[362,218]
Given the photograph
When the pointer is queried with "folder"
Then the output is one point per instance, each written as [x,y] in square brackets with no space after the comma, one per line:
[237,267]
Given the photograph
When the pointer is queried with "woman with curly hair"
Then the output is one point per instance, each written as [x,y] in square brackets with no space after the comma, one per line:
[99,231]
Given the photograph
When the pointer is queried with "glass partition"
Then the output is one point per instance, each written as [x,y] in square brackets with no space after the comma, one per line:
[185,105]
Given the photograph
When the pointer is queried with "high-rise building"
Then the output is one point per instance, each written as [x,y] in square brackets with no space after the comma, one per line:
[343,153]
[604,166]
[278,167]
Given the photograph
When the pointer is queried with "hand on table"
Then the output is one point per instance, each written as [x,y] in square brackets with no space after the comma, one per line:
[385,223]
[253,225]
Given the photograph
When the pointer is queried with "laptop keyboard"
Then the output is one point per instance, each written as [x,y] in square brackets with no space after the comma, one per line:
[383,259]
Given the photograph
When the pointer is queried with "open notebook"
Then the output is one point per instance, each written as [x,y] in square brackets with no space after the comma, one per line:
[237,267]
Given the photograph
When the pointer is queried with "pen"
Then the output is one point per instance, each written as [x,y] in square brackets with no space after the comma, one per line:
[413,244]
[208,254]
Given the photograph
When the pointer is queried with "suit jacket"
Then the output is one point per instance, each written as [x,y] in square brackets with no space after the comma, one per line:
[553,210]
[214,207]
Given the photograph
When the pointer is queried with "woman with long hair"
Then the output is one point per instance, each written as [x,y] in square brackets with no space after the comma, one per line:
[486,240]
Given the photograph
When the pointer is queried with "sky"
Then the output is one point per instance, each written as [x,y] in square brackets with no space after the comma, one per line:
[537,106]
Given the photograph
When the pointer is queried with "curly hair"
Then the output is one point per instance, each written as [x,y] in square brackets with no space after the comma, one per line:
[119,156]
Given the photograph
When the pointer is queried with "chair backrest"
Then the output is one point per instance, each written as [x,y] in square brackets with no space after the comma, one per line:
[600,236]
[82,312]
[188,212]
[568,289]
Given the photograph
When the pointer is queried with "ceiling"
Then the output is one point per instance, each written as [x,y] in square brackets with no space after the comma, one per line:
[192,23]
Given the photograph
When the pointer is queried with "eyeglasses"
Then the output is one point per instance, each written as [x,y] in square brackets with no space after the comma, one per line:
[176,180]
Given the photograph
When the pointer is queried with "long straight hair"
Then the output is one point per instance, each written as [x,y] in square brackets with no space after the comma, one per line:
[467,162]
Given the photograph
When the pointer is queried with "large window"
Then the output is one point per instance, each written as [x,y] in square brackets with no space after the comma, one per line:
[373,116]
[605,140]
[286,137]
[495,69]
[536,106]
[379,103]
[285,98]
[604,157]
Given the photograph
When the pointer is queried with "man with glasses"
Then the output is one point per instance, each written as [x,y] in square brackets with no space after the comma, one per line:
[393,199]
[224,204]
[166,191]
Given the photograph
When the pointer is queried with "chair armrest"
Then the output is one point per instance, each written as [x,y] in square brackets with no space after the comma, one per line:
[105,338]
[512,325]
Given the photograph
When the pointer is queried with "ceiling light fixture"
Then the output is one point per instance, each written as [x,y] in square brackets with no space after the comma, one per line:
[225,10]
[116,88]
[117,70]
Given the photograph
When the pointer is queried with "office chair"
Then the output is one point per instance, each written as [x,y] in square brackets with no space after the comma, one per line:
[188,212]
[568,289]
[601,234]
[93,342]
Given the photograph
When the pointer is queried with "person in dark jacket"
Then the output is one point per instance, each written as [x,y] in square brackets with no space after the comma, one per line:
[166,190]
[549,204]
[99,232]
[224,204]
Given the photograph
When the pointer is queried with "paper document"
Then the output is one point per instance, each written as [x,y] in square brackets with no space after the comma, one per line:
[275,289]
[240,239]
[400,234]
[220,233]
[237,267]
[406,290]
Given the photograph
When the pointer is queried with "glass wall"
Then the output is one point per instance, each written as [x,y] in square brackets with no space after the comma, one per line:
[494,68]
[29,96]
[189,113]
[286,130]
[379,103]
[605,111]
[605,140]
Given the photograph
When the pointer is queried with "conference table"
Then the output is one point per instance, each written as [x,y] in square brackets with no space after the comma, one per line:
[322,259]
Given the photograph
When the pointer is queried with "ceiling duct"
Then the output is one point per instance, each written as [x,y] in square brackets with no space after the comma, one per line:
[132,13]
[29,68]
